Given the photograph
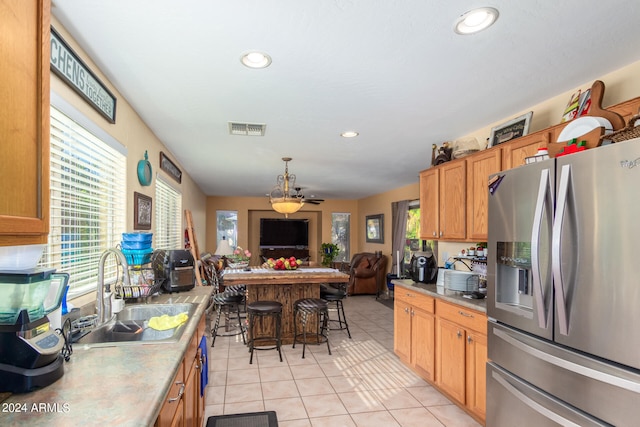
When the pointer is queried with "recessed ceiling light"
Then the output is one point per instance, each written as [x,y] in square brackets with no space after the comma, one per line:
[349,134]
[256,60]
[476,20]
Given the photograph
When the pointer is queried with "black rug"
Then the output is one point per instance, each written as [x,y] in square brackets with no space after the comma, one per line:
[252,419]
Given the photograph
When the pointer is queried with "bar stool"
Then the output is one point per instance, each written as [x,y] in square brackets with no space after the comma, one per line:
[303,308]
[231,298]
[262,309]
[335,295]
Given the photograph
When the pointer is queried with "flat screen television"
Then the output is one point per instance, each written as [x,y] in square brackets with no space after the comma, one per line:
[284,233]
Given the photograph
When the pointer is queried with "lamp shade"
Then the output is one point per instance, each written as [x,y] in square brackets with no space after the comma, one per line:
[224,248]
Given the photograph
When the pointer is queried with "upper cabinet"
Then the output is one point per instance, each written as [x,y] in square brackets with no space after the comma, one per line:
[479,167]
[514,153]
[442,201]
[24,121]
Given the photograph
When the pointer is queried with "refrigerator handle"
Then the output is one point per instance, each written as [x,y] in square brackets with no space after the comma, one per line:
[543,204]
[547,413]
[556,249]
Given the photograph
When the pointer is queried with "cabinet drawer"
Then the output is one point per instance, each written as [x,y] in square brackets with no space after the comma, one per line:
[463,316]
[423,302]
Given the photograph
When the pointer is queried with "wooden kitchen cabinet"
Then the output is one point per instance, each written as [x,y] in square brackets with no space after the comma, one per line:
[461,355]
[24,121]
[515,152]
[443,201]
[429,203]
[476,381]
[172,413]
[184,406]
[414,331]
[479,167]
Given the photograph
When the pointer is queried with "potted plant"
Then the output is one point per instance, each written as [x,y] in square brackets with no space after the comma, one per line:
[329,252]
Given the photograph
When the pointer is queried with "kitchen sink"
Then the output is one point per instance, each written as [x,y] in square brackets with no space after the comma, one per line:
[130,326]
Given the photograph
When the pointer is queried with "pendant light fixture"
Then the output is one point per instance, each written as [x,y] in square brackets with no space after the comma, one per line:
[283,199]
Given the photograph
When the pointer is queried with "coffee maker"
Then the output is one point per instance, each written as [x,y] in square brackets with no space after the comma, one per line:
[424,267]
[30,355]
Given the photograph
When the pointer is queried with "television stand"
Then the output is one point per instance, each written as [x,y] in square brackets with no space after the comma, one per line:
[276,253]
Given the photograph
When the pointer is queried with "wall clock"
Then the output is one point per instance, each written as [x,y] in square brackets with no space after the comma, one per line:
[145,171]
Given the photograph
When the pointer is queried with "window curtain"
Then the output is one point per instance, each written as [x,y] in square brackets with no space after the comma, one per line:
[399,212]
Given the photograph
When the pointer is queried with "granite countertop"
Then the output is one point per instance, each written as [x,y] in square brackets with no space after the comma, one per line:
[110,386]
[430,290]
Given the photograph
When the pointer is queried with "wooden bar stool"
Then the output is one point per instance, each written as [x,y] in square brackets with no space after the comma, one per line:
[302,308]
[262,309]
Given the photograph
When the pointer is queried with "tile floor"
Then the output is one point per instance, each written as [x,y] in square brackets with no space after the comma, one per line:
[362,383]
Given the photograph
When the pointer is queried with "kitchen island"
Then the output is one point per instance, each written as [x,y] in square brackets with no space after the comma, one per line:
[124,385]
[283,286]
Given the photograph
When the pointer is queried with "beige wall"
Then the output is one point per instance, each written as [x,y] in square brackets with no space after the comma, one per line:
[620,85]
[135,135]
[251,209]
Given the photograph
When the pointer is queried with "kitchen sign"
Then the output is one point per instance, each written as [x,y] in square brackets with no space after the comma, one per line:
[170,168]
[70,68]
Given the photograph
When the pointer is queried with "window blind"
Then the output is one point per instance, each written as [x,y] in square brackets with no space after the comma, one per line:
[87,203]
[168,217]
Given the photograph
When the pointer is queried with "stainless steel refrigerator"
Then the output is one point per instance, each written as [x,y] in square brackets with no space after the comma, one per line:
[563,295]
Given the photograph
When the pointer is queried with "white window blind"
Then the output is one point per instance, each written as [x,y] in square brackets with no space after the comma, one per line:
[87,203]
[168,208]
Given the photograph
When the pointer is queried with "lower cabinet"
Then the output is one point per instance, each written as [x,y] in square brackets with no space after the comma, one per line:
[446,344]
[414,337]
[184,405]
[172,412]
[461,355]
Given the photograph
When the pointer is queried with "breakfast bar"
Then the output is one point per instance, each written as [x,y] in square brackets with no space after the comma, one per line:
[283,286]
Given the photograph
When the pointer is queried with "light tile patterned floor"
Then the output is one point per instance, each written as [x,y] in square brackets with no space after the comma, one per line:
[362,383]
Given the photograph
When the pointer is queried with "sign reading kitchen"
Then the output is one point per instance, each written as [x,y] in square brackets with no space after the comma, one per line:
[70,68]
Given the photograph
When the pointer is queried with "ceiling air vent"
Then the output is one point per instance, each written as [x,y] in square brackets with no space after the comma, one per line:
[250,129]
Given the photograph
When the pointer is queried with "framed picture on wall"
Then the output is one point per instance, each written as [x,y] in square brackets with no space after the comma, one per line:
[375,228]
[141,211]
[510,130]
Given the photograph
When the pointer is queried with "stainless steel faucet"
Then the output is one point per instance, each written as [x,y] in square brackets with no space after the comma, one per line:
[104,309]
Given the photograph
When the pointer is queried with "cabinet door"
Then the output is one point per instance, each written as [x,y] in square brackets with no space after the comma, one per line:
[451,359]
[402,331]
[172,407]
[24,121]
[429,204]
[476,373]
[453,200]
[191,396]
[423,343]
[514,153]
[479,167]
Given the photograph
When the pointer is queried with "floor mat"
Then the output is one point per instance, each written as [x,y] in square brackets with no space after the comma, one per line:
[252,419]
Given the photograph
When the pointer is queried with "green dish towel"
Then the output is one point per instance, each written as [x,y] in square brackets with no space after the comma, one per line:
[165,322]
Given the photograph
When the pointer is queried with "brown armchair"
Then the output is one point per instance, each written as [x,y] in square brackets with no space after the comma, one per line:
[368,273]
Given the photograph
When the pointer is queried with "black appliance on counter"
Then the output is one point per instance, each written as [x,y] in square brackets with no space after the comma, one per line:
[174,269]
[30,349]
[423,267]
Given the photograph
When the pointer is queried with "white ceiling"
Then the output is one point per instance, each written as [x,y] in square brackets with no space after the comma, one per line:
[392,70]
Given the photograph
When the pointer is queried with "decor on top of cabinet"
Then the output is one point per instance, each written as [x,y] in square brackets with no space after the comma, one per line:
[512,129]
[464,147]
[632,130]
[443,153]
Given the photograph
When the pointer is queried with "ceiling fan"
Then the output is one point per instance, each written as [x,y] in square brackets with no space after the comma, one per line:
[313,201]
